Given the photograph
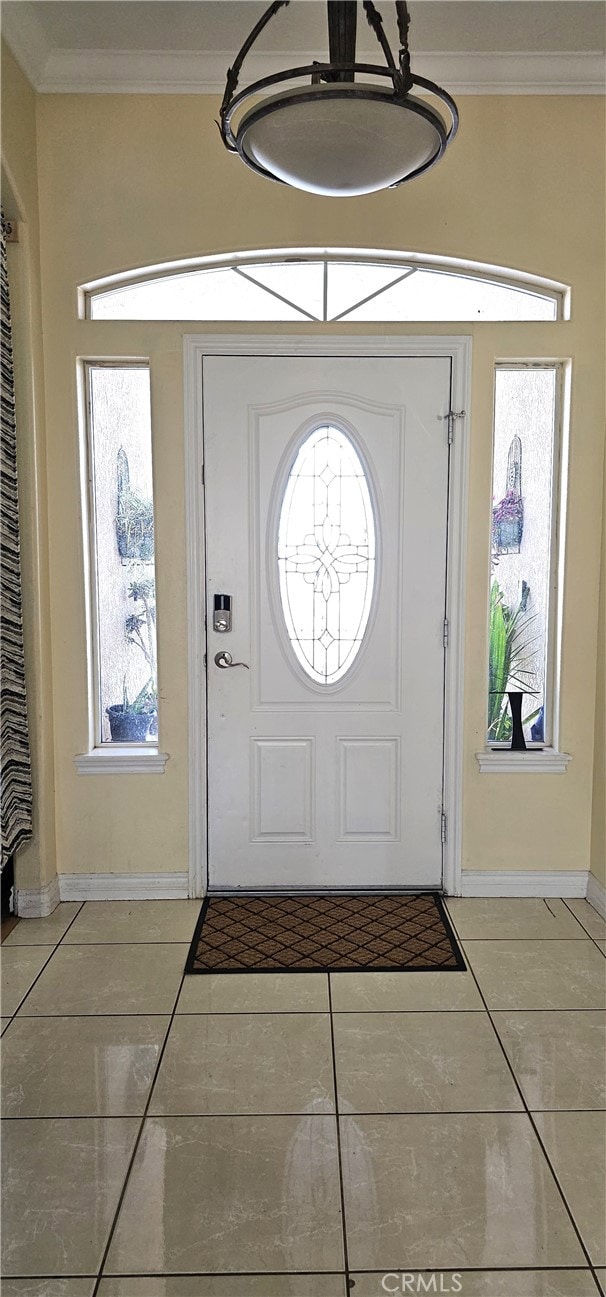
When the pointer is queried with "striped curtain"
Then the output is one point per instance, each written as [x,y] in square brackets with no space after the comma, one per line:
[15,769]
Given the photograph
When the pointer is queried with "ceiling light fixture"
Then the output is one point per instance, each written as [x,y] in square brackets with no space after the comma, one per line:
[334,135]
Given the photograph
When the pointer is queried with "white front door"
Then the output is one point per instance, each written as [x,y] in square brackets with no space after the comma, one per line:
[326,516]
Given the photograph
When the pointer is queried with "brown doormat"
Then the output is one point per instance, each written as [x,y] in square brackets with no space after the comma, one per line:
[305,933]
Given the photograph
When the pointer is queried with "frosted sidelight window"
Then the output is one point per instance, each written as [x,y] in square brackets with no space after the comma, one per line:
[122,553]
[523,549]
[326,554]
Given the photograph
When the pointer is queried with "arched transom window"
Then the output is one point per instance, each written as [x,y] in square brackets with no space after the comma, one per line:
[326,287]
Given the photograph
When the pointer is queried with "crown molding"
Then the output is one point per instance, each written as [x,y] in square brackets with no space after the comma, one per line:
[25,36]
[62,71]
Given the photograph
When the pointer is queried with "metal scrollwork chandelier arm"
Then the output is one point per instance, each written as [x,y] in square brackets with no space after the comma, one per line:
[233,73]
[403,18]
[375,21]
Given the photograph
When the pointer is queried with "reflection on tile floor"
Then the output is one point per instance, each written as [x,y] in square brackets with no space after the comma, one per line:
[62,1182]
[576,1145]
[441,1190]
[274,1197]
[467,1130]
[80,1067]
[559,1059]
[236,1063]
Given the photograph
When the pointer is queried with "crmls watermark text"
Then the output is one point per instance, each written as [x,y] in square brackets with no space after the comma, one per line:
[437,1282]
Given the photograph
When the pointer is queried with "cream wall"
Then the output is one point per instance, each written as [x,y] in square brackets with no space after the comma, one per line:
[37,859]
[130,180]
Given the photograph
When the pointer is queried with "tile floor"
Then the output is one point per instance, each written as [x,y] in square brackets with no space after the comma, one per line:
[297,1135]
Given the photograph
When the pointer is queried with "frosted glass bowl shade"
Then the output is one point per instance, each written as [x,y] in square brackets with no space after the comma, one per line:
[340,139]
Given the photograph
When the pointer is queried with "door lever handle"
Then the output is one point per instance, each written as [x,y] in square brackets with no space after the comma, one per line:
[224,660]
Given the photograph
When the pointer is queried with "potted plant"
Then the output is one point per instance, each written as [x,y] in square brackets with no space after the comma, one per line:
[135,527]
[133,721]
[134,521]
[129,722]
[507,523]
[140,630]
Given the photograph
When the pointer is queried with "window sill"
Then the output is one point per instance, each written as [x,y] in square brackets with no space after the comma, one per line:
[122,759]
[505,762]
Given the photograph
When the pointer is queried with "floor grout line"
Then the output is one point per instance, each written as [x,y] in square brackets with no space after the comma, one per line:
[179,941]
[297,1112]
[279,1013]
[254,1114]
[339,1149]
[330,1274]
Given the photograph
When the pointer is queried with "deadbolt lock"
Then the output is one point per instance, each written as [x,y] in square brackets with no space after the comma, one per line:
[222,612]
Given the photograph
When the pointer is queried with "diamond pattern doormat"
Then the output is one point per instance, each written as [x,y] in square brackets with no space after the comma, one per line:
[304,933]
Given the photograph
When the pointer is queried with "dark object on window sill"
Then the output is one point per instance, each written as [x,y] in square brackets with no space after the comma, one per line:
[518,742]
[126,726]
[537,731]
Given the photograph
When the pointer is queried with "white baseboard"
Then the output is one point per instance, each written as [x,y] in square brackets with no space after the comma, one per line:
[548,882]
[39,902]
[124,887]
[596,895]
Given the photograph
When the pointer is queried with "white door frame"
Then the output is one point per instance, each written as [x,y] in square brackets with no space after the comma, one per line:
[458,350]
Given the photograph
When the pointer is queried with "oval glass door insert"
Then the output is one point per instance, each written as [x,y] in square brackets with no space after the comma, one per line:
[326,555]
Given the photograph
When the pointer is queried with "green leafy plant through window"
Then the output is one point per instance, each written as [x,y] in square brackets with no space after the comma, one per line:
[509,662]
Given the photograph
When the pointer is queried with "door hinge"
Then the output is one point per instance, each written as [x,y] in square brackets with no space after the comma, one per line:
[445,631]
[203,476]
[450,421]
[443,827]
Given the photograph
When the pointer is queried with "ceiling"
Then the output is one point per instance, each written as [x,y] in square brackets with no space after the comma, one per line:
[487,46]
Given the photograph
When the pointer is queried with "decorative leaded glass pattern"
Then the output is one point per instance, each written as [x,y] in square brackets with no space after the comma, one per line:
[326,554]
